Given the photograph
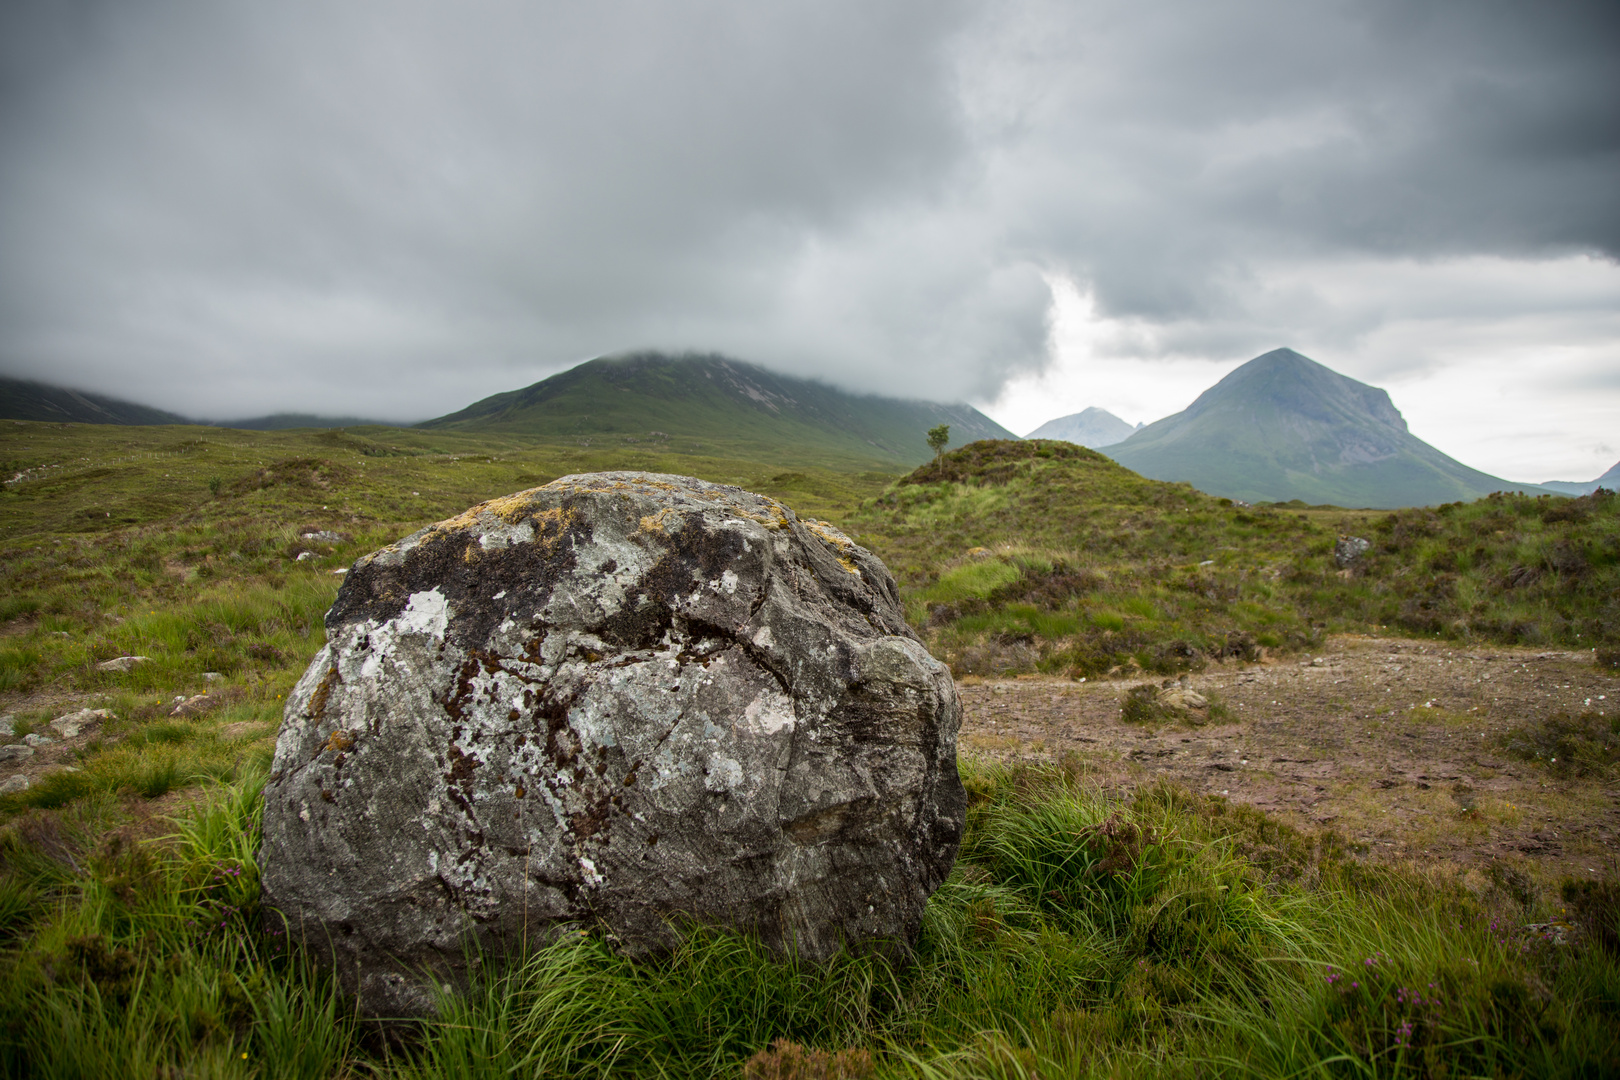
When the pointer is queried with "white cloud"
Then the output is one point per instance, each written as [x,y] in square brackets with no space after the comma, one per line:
[1510,366]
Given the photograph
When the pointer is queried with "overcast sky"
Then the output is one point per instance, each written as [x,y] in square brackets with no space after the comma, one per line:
[395,208]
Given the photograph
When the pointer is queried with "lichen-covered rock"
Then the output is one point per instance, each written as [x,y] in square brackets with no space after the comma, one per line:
[1348,550]
[624,701]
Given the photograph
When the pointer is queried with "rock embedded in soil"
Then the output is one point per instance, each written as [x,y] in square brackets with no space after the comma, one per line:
[196,705]
[74,724]
[12,785]
[622,701]
[16,752]
[122,663]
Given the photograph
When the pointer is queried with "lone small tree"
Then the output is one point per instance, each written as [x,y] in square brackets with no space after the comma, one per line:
[937,438]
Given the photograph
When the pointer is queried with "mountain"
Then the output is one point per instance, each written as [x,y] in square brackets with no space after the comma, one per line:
[1284,427]
[1091,427]
[720,401]
[288,421]
[1609,481]
[24,399]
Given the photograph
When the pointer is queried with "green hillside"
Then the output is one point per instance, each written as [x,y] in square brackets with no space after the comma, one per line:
[24,399]
[706,404]
[1084,932]
[1284,427]
[1040,555]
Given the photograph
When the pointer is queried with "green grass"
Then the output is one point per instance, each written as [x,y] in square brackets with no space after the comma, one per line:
[1078,936]
[1568,746]
[1044,556]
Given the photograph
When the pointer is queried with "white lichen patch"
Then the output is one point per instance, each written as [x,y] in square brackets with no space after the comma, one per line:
[425,613]
[769,714]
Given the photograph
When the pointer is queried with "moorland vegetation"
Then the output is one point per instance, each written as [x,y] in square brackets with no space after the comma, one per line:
[1042,555]
[1083,932]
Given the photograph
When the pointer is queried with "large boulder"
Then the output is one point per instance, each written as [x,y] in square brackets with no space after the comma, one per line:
[624,701]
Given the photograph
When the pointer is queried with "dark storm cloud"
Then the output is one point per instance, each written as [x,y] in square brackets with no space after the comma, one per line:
[1191,144]
[233,207]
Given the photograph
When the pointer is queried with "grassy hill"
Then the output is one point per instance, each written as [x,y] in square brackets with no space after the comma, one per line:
[1081,933]
[1018,556]
[710,403]
[1284,427]
[24,399]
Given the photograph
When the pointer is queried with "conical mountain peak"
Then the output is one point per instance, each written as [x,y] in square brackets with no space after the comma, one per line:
[1285,427]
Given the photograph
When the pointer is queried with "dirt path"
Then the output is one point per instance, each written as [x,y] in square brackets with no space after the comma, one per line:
[1389,742]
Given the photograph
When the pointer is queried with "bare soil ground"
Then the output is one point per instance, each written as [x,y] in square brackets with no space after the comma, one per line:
[1391,743]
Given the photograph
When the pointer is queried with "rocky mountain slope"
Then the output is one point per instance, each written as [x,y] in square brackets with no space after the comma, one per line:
[24,399]
[1284,427]
[1609,480]
[1091,427]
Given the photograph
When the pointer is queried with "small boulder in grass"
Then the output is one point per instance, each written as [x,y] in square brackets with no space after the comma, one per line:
[74,724]
[1173,702]
[8,726]
[16,752]
[628,701]
[122,663]
[196,705]
[14,785]
[1348,550]
[36,740]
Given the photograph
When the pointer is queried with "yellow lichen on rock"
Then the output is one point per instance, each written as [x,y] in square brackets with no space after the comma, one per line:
[655,523]
[841,544]
[551,525]
[338,741]
[510,508]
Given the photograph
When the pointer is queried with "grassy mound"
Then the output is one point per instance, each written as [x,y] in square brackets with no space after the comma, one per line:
[1039,555]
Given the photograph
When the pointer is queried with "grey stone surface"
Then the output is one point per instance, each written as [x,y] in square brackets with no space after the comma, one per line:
[122,663]
[196,705]
[1348,551]
[38,740]
[625,701]
[16,752]
[8,726]
[72,725]
[11,785]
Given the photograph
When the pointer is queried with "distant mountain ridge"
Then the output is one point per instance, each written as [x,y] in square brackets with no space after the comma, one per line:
[1285,427]
[26,399]
[708,396]
[1091,427]
[1609,481]
[289,421]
